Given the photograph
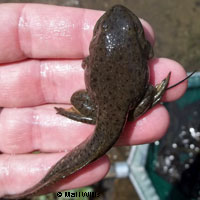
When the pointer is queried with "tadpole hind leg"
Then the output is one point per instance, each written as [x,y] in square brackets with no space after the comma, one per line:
[152,96]
[160,89]
[83,109]
[144,104]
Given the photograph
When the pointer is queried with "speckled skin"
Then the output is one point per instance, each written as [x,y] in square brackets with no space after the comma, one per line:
[117,87]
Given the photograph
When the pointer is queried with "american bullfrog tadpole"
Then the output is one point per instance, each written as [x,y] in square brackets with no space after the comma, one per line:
[117,88]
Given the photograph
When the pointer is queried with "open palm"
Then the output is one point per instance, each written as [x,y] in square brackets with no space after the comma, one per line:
[42,48]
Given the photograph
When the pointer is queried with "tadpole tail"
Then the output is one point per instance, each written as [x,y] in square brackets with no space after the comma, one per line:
[106,133]
[182,80]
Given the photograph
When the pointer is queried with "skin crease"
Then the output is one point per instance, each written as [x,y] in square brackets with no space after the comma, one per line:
[34,132]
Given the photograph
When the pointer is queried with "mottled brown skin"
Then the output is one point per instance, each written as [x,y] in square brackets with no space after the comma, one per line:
[117,87]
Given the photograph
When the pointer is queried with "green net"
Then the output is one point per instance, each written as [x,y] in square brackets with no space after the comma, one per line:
[173,163]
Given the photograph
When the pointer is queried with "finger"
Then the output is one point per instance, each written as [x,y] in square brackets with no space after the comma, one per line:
[148,128]
[40,128]
[44,31]
[148,31]
[23,171]
[33,82]
[159,69]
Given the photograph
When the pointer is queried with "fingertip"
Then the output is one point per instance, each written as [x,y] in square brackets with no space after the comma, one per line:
[148,31]
[155,123]
[160,68]
[148,128]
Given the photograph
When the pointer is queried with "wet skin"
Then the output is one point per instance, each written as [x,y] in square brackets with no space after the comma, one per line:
[117,90]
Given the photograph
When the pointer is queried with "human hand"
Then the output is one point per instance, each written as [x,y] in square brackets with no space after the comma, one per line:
[41,52]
